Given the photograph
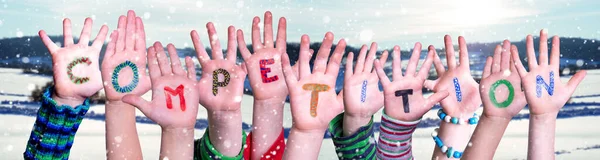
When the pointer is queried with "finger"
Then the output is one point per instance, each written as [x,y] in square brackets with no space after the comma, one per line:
[163,62]
[435,98]
[121,29]
[323,53]
[140,41]
[84,38]
[360,61]
[414,60]
[426,66]
[531,59]
[575,80]
[496,59]
[138,102]
[153,66]
[110,48]
[175,62]
[52,47]
[200,51]
[268,24]
[543,47]
[304,57]
[100,38]
[396,64]
[430,84]
[464,53]
[505,56]
[333,67]
[281,42]
[242,45]
[256,44]
[349,71]
[555,52]
[370,58]
[381,74]
[290,77]
[383,58]
[488,66]
[450,58]
[191,68]
[215,45]
[231,45]
[67,34]
[130,31]
[437,63]
[515,56]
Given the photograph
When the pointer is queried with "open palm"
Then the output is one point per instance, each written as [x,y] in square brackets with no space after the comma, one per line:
[75,66]
[228,96]
[356,101]
[326,104]
[460,101]
[501,75]
[174,102]
[412,82]
[124,63]
[545,100]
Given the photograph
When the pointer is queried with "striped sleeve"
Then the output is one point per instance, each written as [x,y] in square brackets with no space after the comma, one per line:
[395,138]
[360,145]
[204,149]
[54,129]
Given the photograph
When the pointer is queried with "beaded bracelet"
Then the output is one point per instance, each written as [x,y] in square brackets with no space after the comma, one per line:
[450,153]
[445,117]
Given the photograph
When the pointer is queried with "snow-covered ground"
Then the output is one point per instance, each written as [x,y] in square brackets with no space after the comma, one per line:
[571,133]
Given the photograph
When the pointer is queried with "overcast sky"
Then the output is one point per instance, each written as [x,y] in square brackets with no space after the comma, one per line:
[388,22]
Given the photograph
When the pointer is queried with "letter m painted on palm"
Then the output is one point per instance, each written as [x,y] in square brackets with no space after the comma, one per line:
[177,92]
[541,83]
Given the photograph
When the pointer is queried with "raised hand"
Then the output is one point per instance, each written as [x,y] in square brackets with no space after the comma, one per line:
[543,88]
[175,94]
[75,66]
[500,85]
[312,95]
[222,83]
[404,96]
[174,104]
[457,81]
[124,63]
[264,66]
[362,97]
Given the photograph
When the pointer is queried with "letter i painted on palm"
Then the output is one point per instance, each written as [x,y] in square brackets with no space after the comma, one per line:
[363,92]
[541,83]
[404,94]
[314,95]
[217,83]
[264,70]
[174,92]
[457,90]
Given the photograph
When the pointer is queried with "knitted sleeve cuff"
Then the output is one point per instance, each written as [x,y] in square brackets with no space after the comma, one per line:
[275,152]
[206,151]
[360,145]
[54,128]
[395,138]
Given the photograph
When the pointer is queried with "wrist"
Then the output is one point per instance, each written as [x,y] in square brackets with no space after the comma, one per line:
[495,119]
[544,116]
[65,100]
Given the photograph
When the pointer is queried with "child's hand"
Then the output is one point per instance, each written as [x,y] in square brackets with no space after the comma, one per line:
[222,83]
[75,66]
[404,96]
[506,99]
[544,91]
[174,92]
[457,81]
[124,63]
[362,96]
[312,97]
[264,65]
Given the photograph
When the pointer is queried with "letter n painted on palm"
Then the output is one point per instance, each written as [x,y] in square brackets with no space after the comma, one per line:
[541,83]
[175,92]
[314,95]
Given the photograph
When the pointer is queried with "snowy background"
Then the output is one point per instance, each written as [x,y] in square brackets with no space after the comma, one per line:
[388,22]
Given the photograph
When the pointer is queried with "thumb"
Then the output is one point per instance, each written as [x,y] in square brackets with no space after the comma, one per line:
[435,98]
[138,102]
[575,80]
[430,84]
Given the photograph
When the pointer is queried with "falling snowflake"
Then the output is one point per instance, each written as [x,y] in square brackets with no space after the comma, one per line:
[366,35]
[199,4]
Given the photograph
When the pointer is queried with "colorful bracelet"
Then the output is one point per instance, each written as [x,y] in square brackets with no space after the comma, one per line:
[445,117]
[450,153]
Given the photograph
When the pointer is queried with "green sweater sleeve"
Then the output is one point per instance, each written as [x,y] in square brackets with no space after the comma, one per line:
[360,145]
[204,150]
[54,129]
